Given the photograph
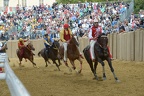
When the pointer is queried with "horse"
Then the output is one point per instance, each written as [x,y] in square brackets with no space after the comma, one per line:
[4,44]
[72,53]
[101,54]
[27,54]
[52,54]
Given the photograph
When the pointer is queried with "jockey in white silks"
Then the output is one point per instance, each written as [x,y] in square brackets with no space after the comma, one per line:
[94,32]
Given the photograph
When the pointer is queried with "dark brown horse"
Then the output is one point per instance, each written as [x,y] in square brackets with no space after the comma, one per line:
[101,54]
[52,54]
[27,54]
[72,53]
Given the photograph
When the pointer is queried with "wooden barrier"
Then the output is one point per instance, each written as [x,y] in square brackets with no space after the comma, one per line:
[137,44]
[114,51]
[141,45]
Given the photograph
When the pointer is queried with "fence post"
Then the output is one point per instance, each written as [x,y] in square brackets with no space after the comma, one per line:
[14,84]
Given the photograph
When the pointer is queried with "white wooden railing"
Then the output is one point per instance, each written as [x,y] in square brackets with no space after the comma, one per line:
[14,84]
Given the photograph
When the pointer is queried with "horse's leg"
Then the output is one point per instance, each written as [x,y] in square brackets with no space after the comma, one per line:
[112,69]
[59,62]
[56,64]
[88,59]
[31,60]
[102,63]
[20,59]
[67,66]
[94,70]
[73,65]
[46,63]
[8,59]
[80,65]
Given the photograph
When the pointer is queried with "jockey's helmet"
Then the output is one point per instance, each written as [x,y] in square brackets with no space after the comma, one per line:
[20,39]
[66,26]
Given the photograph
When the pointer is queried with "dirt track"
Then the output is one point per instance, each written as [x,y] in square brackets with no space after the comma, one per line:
[51,82]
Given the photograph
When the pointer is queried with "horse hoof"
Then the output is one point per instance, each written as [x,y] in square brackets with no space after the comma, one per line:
[79,71]
[117,81]
[95,78]
[104,78]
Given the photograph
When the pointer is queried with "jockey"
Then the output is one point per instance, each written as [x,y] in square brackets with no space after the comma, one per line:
[47,42]
[21,45]
[65,36]
[94,33]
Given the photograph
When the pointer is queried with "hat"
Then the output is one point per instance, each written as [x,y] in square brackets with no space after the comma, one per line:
[95,20]
[66,26]
[20,39]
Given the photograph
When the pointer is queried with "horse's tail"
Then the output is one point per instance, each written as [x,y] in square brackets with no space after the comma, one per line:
[39,53]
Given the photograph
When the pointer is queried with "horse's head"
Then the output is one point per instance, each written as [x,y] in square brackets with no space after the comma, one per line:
[74,40]
[4,46]
[103,41]
[30,46]
[56,44]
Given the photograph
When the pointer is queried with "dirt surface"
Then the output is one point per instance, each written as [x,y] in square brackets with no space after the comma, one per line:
[51,82]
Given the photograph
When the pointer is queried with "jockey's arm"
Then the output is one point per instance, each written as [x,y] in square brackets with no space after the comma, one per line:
[26,40]
[46,42]
[51,39]
[90,34]
[62,36]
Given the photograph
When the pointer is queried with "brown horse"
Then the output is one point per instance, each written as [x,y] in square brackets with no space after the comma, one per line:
[72,53]
[101,54]
[27,54]
[52,54]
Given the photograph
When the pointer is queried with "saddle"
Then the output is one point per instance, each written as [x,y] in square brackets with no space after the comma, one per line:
[97,47]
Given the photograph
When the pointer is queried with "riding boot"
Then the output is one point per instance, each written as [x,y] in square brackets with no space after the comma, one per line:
[110,55]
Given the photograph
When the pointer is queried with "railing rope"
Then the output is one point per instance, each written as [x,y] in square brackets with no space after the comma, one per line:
[14,84]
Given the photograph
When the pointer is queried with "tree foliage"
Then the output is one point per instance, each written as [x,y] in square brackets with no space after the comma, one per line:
[138,4]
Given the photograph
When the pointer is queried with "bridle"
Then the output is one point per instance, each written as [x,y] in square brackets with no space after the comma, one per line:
[99,43]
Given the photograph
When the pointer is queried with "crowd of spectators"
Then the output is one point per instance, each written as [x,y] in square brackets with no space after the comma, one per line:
[35,21]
